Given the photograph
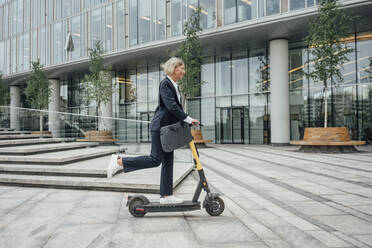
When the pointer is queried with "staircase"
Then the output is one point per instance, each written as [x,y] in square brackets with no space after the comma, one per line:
[32,161]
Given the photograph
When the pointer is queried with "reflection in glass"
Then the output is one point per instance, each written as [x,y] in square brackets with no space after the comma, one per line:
[207,76]
[58,43]
[26,54]
[27,14]
[2,57]
[176,18]
[208,13]
[229,12]
[144,20]
[132,22]
[108,28]
[258,71]
[76,36]
[158,19]
[96,25]
[247,9]
[272,7]
[153,87]
[296,4]
[240,77]
[223,76]
[120,15]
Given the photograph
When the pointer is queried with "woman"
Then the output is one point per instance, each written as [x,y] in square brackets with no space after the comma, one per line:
[169,111]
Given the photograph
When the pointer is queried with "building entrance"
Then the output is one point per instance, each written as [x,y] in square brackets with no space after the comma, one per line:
[233,123]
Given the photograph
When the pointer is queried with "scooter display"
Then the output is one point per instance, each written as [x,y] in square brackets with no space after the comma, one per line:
[139,205]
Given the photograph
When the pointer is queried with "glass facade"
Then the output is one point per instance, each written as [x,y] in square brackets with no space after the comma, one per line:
[38,28]
[349,100]
[234,100]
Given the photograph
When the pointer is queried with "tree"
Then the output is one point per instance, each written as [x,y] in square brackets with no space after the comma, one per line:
[326,42]
[37,89]
[97,85]
[4,92]
[190,53]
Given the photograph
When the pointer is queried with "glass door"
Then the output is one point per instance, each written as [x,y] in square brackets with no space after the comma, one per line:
[238,125]
[225,122]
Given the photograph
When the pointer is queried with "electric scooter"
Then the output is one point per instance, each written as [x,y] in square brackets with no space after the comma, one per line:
[139,205]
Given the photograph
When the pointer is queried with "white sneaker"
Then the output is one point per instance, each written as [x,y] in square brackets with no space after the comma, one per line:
[170,200]
[113,166]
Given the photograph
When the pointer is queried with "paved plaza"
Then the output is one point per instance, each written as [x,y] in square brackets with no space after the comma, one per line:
[274,196]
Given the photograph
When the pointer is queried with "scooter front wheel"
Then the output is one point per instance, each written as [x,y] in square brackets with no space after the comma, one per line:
[216,207]
[133,208]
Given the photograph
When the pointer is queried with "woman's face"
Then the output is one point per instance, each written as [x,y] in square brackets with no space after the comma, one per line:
[178,73]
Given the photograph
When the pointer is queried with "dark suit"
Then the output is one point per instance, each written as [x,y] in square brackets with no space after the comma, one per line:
[169,111]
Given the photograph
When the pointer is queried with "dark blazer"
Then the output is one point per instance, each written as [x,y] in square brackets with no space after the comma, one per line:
[169,110]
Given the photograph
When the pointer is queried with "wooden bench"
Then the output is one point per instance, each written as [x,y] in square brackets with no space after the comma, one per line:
[98,136]
[198,138]
[330,139]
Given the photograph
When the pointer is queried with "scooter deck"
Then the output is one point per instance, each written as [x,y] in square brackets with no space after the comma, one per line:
[185,206]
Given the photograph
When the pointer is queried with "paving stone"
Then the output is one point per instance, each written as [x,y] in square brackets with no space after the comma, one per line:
[221,230]
[315,208]
[367,239]
[347,224]
[72,236]
[297,238]
[329,239]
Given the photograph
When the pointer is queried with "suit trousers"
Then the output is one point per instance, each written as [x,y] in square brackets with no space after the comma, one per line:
[157,157]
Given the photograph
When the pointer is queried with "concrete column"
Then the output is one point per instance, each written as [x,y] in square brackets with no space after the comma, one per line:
[54,105]
[279,92]
[15,101]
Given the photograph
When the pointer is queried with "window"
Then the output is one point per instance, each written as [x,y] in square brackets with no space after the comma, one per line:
[34,55]
[208,13]
[108,28]
[272,7]
[95,26]
[132,22]
[120,25]
[58,42]
[296,4]
[247,10]
[27,14]
[26,54]
[2,58]
[229,11]
[158,20]
[66,8]
[76,36]
[144,20]
[176,18]
[50,13]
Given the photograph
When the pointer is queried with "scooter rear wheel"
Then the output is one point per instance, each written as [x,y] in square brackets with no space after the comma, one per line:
[133,205]
[216,208]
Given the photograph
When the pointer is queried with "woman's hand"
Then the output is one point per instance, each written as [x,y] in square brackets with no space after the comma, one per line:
[195,122]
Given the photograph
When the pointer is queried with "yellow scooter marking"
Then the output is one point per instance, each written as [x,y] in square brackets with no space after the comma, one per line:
[195,155]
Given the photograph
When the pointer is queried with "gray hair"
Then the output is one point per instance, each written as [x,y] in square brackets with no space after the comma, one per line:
[171,64]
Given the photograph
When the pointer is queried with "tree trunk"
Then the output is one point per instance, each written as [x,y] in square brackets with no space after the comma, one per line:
[183,102]
[41,123]
[97,107]
[325,106]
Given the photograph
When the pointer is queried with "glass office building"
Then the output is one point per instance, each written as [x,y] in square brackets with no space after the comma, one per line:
[235,101]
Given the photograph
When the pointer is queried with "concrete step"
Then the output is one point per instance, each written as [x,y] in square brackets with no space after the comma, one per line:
[44,148]
[21,142]
[14,132]
[145,181]
[6,129]
[45,170]
[62,157]
[24,136]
